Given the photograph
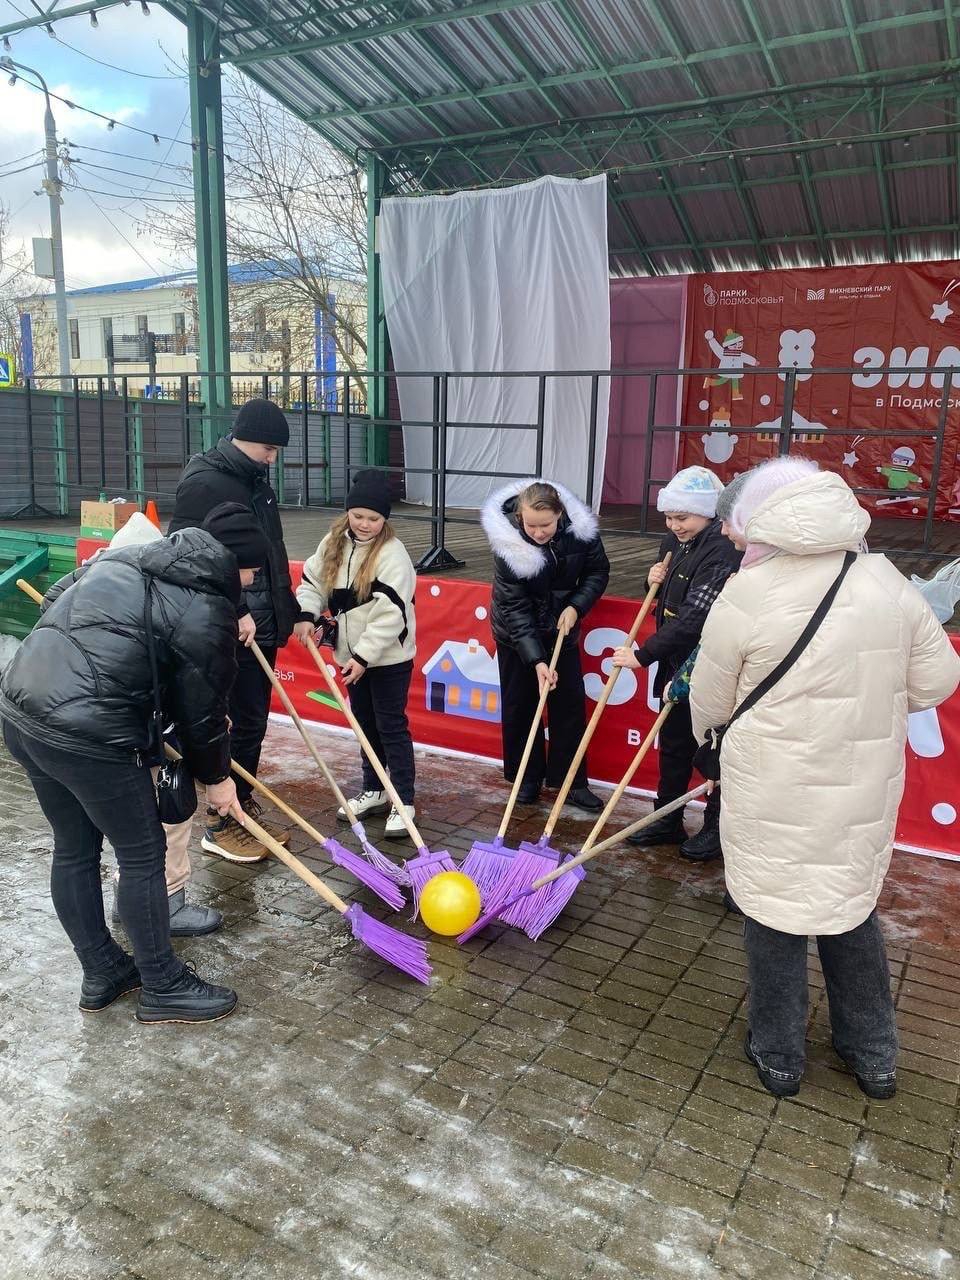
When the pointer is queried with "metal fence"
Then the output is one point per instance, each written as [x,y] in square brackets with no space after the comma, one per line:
[82,436]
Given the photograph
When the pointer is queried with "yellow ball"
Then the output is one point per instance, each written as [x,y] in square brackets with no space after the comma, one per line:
[449,903]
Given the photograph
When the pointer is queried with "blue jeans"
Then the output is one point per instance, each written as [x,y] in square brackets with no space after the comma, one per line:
[857,978]
[80,798]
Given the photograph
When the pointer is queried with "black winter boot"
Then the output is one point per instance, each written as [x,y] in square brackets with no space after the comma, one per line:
[705,845]
[98,991]
[186,999]
[668,830]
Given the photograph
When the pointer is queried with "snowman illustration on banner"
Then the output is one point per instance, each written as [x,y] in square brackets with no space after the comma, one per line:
[732,358]
[899,476]
[718,446]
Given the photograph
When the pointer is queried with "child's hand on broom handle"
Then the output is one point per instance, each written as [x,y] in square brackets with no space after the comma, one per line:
[546,677]
[625,657]
[568,620]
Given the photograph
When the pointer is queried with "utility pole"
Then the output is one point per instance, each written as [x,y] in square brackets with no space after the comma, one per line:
[52,185]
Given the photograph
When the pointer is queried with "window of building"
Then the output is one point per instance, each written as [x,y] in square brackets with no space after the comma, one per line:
[141,325]
[259,318]
[179,323]
[107,328]
[74,339]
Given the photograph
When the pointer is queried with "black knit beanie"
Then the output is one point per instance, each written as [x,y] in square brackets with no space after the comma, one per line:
[370,489]
[261,422]
[236,527]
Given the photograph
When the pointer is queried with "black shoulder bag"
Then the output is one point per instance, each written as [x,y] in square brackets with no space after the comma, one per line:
[707,759]
[176,790]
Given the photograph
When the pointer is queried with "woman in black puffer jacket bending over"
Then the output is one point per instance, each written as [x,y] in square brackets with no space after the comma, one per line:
[76,704]
[550,569]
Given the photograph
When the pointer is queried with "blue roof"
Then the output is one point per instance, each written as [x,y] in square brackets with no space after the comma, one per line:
[238,273]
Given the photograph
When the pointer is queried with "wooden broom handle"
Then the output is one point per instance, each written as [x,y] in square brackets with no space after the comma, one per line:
[531,738]
[364,741]
[586,854]
[294,863]
[308,741]
[277,849]
[30,591]
[598,710]
[274,799]
[625,781]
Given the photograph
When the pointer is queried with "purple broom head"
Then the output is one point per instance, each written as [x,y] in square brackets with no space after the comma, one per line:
[404,953]
[424,867]
[366,873]
[544,860]
[486,864]
[514,886]
[549,901]
[380,860]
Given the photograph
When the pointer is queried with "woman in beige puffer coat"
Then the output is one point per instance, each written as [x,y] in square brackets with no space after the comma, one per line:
[813,774]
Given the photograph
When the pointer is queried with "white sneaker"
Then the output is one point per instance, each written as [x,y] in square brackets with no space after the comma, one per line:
[394,828]
[366,802]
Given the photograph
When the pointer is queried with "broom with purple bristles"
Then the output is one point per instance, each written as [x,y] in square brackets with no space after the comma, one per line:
[572,867]
[489,860]
[373,869]
[426,864]
[534,911]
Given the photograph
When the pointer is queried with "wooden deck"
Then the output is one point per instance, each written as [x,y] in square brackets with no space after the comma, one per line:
[630,552]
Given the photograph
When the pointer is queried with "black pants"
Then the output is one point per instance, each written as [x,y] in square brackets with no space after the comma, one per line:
[566,717]
[80,798]
[249,708]
[677,747]
[857,979]
[379,701]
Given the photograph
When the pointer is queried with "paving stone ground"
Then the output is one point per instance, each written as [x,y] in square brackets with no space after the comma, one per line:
[568,1108]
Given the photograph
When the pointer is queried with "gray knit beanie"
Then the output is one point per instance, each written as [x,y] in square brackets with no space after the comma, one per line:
[731,492]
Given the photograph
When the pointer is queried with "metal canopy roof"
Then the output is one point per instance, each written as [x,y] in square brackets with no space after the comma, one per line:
[736,133]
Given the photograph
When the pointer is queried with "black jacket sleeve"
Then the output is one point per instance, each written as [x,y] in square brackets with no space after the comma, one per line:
[203,646]
[55,591]
[678,635]
[518,612]
[593,580]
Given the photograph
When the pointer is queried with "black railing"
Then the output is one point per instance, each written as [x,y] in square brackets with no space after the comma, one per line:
[103,434]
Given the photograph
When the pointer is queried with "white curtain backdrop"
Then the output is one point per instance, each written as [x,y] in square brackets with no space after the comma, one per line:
[514,279]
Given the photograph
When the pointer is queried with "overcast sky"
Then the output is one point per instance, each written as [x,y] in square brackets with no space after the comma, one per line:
[152,93]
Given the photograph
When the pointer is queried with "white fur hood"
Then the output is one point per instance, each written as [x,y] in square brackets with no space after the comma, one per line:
[525,558]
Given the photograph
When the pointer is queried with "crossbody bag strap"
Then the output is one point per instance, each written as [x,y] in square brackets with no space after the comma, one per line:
[809,631]
[152,655]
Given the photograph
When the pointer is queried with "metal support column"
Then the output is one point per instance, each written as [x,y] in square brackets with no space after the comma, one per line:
[206,122]
[378,438]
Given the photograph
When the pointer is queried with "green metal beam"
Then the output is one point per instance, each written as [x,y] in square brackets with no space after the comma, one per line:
[373,31]
[206,122]
[744,242]
[55,15]
[27,566]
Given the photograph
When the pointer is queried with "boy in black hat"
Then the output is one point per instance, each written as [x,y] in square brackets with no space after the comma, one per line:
[236,471]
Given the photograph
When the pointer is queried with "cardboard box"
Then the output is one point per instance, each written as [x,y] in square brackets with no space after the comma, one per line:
[103,519]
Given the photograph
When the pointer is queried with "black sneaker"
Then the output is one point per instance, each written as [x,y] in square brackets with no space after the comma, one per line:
[529,793]
[666,830]
[98,992]
[880,1086]
[703,847]
[583,798]
[779,1083]
[187,999]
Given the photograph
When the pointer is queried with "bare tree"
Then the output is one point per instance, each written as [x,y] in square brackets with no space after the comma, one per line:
[16,282]
[296,208]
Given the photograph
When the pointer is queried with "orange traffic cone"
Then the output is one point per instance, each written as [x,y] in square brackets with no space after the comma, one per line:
[152,514]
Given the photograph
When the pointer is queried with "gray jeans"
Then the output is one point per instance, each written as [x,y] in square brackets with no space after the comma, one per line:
[857,978]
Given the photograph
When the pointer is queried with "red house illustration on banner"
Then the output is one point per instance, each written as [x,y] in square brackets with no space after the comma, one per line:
[463,680]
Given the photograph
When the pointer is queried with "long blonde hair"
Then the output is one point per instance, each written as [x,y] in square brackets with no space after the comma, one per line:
[333,558]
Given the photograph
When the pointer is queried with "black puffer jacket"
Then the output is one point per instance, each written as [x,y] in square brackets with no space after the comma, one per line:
[226,474]
[698,570]
[532,584]
[81,680]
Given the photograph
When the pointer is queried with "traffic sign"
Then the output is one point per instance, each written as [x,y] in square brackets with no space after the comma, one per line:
[8,370]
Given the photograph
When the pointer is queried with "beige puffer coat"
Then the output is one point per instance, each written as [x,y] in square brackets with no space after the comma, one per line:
[812,776]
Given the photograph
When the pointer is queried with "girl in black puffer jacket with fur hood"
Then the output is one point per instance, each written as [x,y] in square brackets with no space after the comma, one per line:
[550,569]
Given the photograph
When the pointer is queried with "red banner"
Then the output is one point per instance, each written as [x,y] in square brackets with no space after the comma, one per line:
[454,702]
[904,316]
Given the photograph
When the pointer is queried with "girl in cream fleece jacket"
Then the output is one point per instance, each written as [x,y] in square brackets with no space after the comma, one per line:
[362,577]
